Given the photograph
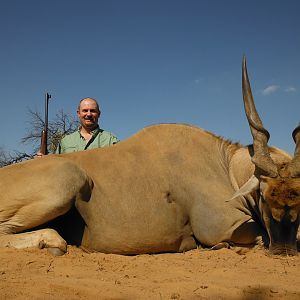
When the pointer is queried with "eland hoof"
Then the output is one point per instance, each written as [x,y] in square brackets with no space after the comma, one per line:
[221,245]
[55,251]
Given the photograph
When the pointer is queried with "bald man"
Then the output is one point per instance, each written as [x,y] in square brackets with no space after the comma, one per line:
[89,135]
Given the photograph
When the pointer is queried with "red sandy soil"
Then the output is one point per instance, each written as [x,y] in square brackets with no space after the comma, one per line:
[197,274]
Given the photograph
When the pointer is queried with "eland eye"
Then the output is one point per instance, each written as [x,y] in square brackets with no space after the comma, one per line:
[274,193]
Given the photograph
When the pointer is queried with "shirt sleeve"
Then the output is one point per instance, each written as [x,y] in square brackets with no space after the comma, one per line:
[114,140]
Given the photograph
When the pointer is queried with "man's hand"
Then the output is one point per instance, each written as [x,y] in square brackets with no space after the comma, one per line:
[39,154]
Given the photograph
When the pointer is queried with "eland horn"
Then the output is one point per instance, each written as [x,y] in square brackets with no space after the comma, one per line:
[261,157]
[294,165]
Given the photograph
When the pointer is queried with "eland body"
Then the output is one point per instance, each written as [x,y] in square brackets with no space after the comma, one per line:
[168,188]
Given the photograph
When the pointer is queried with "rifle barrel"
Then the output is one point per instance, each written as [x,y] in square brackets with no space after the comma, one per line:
[44,135]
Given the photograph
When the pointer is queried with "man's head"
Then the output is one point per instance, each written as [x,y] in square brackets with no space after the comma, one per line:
[88,113]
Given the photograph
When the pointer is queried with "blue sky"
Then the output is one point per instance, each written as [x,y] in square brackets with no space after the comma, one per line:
[151,62]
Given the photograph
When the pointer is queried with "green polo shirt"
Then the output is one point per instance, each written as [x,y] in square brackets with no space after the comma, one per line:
[75,141]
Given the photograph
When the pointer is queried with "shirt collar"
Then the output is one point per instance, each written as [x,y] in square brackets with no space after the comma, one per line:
[94,132]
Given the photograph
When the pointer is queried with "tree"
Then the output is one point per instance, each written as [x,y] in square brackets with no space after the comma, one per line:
[59,126]
[11,157]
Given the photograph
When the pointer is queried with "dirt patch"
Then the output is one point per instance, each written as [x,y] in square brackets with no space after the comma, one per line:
[197,274]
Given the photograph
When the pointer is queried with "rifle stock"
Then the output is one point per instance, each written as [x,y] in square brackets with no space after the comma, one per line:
[43,147]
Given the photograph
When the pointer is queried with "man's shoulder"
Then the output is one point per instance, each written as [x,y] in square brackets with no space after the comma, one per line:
[107,138]
[106,133]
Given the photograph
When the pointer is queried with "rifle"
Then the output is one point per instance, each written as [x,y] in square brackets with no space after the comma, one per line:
[44,134]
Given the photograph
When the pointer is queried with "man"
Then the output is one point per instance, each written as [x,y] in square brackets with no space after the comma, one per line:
[89,135]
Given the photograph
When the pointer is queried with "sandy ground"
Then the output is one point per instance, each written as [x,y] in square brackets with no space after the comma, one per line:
[197,274]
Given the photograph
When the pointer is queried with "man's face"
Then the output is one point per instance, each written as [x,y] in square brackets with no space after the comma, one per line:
[88,114]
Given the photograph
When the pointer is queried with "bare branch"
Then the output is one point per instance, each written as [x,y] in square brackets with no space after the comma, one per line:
[61,125]
[8,158]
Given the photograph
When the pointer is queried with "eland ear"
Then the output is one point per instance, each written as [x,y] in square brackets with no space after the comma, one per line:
[251,185]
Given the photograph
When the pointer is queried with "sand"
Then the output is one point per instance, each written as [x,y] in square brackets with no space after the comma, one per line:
[196,274]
